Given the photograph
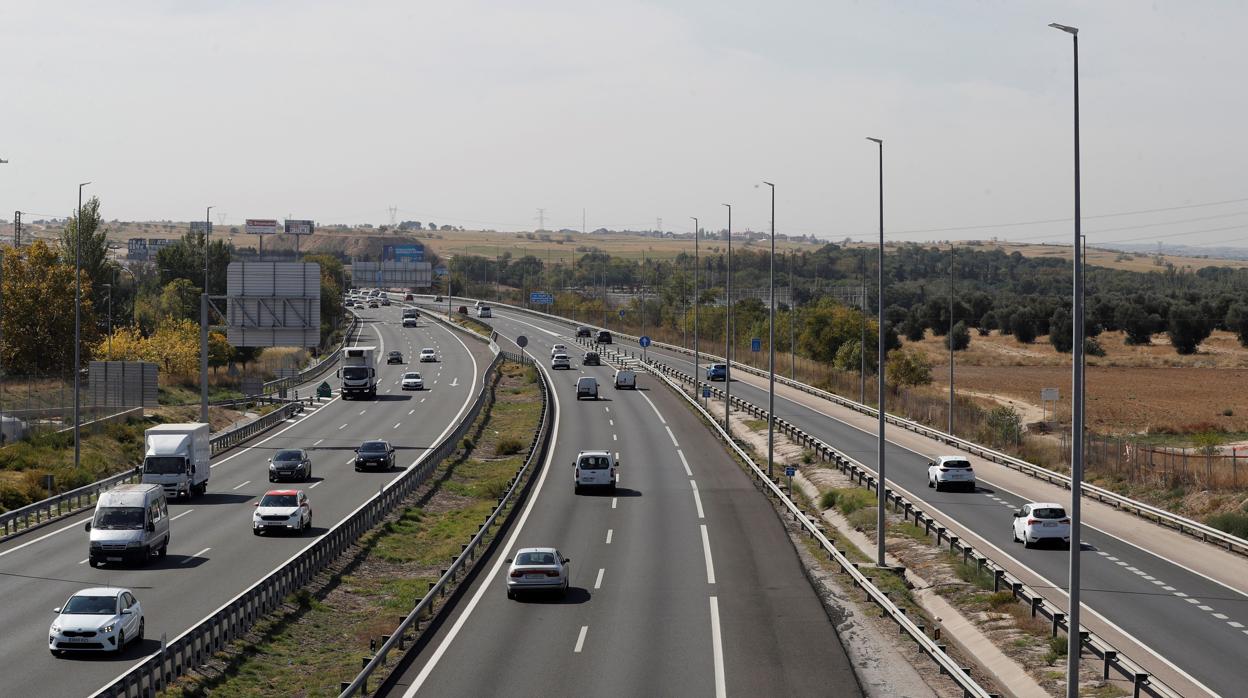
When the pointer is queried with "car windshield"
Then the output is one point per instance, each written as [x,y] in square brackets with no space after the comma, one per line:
[373,446]
[119,518]
[279,500]
[411,375]
[1049,513]
[288,455]
[91,605]
[355,372]
[955,464]
[164,465]
[595,463]
[426,351]
[395,353]
[591,355]
[561,357]
[533,558]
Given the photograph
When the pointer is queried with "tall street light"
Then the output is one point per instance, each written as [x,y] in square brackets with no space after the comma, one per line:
[203,327]
[950,338]
[110,320]
[78,326]
[881,484]
[696,396]
[728,329]
[1076,442]
[771,340]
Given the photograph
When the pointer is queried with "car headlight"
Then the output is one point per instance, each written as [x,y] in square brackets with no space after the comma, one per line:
[55,629]
[272,466]
[108,628]
[134,544]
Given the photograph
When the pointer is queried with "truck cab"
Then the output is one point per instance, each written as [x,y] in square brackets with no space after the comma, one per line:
[358,372]
[177,457]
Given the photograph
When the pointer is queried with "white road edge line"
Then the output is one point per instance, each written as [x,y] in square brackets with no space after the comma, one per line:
[656,410]
[684,462]
[673,435]
[706,552]
[580,639]
[717,649]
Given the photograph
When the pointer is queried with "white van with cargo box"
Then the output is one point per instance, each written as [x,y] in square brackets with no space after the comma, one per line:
[130,524]
[177,458]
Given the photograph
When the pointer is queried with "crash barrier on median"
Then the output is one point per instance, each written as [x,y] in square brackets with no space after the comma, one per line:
[74,501]
[229,622]
[929,646]
[865,477]
[1157,515]
[469,556]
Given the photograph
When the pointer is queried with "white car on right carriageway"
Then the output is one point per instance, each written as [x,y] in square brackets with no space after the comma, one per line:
[1041,521]
[951,471]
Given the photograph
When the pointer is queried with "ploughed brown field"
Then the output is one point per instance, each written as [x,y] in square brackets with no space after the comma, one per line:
[1133,389]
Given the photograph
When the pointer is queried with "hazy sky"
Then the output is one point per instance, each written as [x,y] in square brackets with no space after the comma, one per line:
[477,113]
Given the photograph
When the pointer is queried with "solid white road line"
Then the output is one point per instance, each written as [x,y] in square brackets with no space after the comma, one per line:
[696,499]
[669,433]
[684,462]
[610,532]
[598,581]
[242,485]
[656,410]
[717,649]
[198,554]
[706,552]
[580,639]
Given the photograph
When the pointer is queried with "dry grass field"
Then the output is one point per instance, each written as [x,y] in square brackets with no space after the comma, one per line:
[1132,389]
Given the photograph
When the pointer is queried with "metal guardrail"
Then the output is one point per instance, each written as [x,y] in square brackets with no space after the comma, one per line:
[865,477]
[229,622]
[927,645]
[74,501]
[1157,515]
[468,556]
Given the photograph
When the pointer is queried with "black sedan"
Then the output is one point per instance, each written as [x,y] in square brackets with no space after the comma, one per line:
[591,359]
[394,357]
[376,455]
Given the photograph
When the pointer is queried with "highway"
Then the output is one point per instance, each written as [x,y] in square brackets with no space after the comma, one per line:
[212,554]
[1163,605]
[683,582]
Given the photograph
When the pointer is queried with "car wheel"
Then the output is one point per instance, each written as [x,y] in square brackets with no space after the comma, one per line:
[563,592]
[612,488]
[1013,535]
[272,479]
[121,642]
[511,594]
[142,629]
[93,562]
[255,531]
[929,482]
[1026,543]
[939,487]
[576,489]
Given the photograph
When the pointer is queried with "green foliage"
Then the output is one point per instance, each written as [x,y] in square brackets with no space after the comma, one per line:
[1233,522]
[1057,649]
[1023,326]
[847,499]
[906,368]
[93,255]
[1237,322]
[508,446]
[36,307]
[1188,327]
[1061,331]
[1092,347]
[1005,425]
[961,337]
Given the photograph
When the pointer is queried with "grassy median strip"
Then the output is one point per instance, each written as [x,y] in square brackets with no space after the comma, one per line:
[318,638]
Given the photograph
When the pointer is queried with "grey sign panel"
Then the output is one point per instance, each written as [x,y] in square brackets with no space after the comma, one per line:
[273,304]
[122,383]
[201,227]
[392,273]
[299,227]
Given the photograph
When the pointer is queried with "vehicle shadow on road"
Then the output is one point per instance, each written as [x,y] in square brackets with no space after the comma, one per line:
[393,398]
[619,492]
[173,561]
[219,498]
[134,649]
[574,595]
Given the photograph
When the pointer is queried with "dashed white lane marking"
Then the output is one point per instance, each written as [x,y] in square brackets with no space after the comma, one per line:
[1168,588]
[411,411]
[198,554]
[344,426]
[611,422]
[613,501]
[608,409]
[396,425]
[706,553]
[349,461]
[610,532]
[717,649]
[1233,624]
[83,562]
[697,499]
[313,485]
[580,639]
[317,442]
[241,485]
[615,437]
[1219,616]
[669,433]
[363,410]
[1192,600]
[684,462]
[1180,594]
[181,515]
[598,581]
[422,399]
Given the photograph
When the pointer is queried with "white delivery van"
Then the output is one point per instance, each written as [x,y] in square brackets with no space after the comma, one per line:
[586,387]
[177,457]
[594,469]
[625,378]
[131,523]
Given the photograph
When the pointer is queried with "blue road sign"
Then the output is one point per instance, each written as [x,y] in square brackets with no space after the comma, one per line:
[706,391]
[789,471]
[644,341]
[621,314]
[756,345]
[541,298]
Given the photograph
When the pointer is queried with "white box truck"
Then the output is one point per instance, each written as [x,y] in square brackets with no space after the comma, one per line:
[359,372]
[177,458]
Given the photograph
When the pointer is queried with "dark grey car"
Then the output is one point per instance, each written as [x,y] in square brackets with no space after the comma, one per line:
[290,464]
[376,455]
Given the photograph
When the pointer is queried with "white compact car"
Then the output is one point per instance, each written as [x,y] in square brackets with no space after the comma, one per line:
[951,471]
[594,469]
[560,361]
[100,619]
[558,349]
[413,381]
[428,354]
[1041,521]
[282,510]
[534,569]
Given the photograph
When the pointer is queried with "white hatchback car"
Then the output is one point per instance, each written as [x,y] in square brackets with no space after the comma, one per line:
[536,569]
[560,361]
[558,349]
[413,381]
[1041,521]
[951,471]
[428,354]
[282,510]
[100,619]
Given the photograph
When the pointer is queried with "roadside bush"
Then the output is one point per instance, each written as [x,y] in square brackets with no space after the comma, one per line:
[828,500]
[1092,347]
[508,446]
[1001,599]
[1057,649]
[1006,426]
[1233,522]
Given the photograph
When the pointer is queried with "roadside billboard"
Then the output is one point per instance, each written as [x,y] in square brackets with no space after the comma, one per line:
[295,227]
[261,226]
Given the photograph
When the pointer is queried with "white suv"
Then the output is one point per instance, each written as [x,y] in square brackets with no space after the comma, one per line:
[951,471]
[594,469]
[558,349]
[1041,521]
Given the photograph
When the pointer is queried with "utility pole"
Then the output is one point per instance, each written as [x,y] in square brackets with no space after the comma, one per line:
[203,327]
[696,378]
[728,329]
[541,219]
[881,485]
[862,342]
[771,340]
[950,338]
[78,328]
[792,318]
